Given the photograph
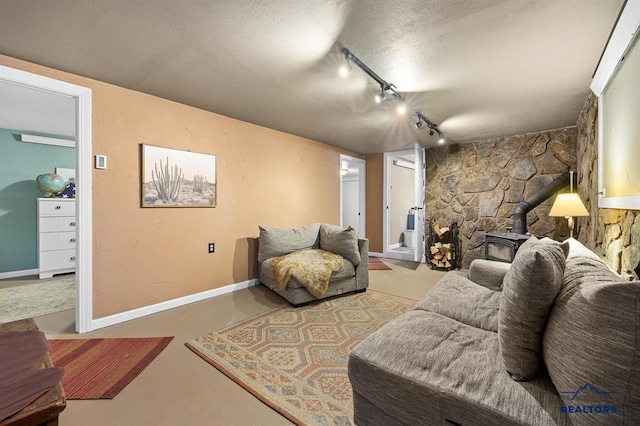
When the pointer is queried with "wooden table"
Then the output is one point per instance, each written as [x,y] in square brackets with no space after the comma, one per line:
[46,408]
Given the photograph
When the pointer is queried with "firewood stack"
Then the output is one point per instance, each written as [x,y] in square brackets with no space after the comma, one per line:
[442,254]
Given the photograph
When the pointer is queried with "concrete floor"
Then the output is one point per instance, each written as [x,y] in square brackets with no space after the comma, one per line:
[178,387]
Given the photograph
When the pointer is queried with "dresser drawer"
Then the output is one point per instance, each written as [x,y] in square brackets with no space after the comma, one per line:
[58,259]
[57,207]
[57,224]
[57,241]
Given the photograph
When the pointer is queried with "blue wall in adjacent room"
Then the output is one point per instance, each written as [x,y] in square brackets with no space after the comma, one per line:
[20,163]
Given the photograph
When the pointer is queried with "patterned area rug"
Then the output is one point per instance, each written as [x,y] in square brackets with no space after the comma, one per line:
[295,359]
[101,368]
[376,264]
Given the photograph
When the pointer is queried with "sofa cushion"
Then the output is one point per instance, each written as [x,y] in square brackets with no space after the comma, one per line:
[457,297]
[591,345]
[577,249]
[488,273]
[280,241]
[342,241]
[425,368]
[529,288]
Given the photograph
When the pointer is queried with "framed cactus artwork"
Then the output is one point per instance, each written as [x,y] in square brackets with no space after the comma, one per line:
[175,178]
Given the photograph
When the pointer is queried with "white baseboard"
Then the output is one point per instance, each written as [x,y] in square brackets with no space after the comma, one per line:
[169,304]
[395,246]
[15,274]
[376,254]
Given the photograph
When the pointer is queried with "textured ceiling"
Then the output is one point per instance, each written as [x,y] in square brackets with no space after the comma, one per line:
[478,68]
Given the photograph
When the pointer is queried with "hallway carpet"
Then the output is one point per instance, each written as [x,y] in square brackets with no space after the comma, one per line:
[376,264]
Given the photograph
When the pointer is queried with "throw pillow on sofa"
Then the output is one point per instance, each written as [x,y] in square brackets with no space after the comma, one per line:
[530,287]
[280,241]
[342,241]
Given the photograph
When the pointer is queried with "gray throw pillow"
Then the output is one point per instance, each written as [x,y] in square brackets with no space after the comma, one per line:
[530,287]
[280,241]
[342,241]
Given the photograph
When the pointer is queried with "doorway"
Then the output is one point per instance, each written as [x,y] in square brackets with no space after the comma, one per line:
[403,230]
[352,193]
[81,96]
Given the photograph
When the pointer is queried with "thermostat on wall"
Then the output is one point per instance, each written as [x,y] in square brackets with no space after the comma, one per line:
[101,161]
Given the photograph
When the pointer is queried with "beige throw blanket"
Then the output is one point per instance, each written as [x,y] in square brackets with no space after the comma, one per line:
[312,268]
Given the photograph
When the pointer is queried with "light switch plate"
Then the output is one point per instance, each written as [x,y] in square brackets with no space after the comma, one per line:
[101,162]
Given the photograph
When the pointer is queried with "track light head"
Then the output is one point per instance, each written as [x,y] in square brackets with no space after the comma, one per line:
[431,132]
[380,97]
[441,139]
[418,124]
[344,70]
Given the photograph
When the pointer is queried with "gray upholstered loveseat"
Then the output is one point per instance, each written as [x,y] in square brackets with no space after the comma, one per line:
[561,346]
[288,260]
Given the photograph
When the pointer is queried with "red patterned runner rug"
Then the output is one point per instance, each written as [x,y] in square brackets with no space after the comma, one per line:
[376,264]
[101,368]
[295,359]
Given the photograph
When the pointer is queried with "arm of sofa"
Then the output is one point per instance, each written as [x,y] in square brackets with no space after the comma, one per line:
[488,273]
[362,270]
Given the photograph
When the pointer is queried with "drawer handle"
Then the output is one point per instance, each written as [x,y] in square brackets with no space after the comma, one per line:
[58,207]
[72,259]
[72,224]
[73,240]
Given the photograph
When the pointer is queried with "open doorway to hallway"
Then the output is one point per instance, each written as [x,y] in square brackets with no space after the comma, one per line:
[352,193]
[403,234]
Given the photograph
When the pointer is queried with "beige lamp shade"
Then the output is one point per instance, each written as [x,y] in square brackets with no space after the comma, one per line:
[568,204]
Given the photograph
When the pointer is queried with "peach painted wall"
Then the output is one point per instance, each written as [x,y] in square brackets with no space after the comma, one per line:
[375,190]
[143,256]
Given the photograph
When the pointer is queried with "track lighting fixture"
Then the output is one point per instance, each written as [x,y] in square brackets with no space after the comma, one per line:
[345,68]
[387,88]
[380,97]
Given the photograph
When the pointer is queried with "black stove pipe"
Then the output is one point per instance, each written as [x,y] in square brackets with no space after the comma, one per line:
[524,207]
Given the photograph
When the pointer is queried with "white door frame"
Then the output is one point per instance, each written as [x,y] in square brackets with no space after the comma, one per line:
[419,188]
[361,165]
[84,245]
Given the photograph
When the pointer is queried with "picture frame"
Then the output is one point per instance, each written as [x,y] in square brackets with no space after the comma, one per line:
[176,178]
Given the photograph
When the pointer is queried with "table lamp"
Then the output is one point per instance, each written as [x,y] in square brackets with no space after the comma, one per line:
[569,205]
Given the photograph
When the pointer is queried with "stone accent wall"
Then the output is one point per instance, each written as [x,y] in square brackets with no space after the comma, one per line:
[614,234]
[479,184]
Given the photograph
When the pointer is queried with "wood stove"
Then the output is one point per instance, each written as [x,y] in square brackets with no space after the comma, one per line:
[502,246]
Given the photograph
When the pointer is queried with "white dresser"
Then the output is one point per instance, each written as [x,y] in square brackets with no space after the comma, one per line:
[56,236]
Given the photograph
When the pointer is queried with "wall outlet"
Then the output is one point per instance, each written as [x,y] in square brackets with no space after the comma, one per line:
[212,247]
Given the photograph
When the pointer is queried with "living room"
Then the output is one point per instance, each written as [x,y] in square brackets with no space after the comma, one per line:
[142,257]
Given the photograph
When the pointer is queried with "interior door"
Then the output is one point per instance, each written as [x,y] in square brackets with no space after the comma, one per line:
[419,187]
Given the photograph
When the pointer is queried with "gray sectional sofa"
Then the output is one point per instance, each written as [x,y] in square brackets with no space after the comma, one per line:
[544,341]
[352,275]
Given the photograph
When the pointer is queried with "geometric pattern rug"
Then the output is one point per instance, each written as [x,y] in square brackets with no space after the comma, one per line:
[295,359]
[101,368]
[376,264]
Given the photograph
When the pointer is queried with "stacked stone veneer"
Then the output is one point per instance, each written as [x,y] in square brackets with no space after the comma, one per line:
[614,234]
[479,184]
